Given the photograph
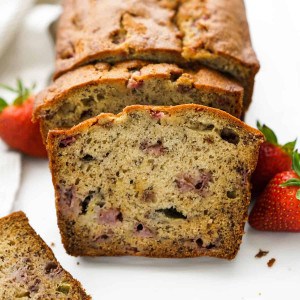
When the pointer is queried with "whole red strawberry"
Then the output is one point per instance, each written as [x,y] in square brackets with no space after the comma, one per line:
[278,207]
[273,158]
[16,127]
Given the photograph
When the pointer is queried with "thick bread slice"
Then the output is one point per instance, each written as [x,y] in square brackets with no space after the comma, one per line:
[93,89]
[211,32]
[154,181]
[28,268]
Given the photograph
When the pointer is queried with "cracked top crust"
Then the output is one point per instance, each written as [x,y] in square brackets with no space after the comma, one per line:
[202,78]
[214,32]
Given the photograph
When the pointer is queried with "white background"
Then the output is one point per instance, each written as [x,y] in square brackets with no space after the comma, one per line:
[275,29]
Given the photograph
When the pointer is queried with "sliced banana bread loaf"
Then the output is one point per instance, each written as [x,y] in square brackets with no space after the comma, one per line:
[154,181]
[92,89]
[28,268]
[211,32]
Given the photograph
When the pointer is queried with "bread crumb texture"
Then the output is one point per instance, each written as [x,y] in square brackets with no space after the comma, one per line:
[28,268]
[96,88]
[154,181]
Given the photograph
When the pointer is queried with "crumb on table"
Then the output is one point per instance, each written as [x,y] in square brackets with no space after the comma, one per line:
[261,253]
[271,262]
[52,245]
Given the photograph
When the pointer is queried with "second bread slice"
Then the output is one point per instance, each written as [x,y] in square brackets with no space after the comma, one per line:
[93,89]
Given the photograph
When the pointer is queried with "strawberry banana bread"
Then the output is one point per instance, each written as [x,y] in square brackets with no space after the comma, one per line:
[93,89]
[154,181]
[28,268]
[210,32]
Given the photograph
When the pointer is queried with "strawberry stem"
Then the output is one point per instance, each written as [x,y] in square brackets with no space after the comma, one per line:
[22,92]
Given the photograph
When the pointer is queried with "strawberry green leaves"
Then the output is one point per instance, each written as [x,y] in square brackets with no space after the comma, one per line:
[289,147]
[22,92]
[296,168]
[296,163]
[268,133]
[8,88]
[3,104]
[291,182]
[272,138]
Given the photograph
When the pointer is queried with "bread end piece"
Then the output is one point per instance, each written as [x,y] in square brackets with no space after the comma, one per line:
[28,266]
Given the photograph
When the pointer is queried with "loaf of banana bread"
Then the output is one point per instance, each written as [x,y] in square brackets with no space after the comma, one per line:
[93,89]
[210,32]
[28,268]
[154,181]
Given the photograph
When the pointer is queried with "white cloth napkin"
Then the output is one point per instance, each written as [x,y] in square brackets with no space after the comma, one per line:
[30,55]
[26,52]
[12,14]
[11,17]
[10,175]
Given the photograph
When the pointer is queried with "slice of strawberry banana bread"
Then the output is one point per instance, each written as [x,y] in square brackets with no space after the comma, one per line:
[28,268]
[154,181]
[93,89]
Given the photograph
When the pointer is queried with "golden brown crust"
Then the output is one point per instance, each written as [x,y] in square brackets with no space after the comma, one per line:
[149,27]
[210,32]
[219,27]
[17,224]
[100,30]
[203,79]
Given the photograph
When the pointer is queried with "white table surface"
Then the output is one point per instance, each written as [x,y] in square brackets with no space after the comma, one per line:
[275,29]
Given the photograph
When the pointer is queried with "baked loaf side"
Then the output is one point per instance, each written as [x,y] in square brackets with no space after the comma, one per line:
[28,268]
[211,32]
[154,181]
[92,89]
[216,33]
